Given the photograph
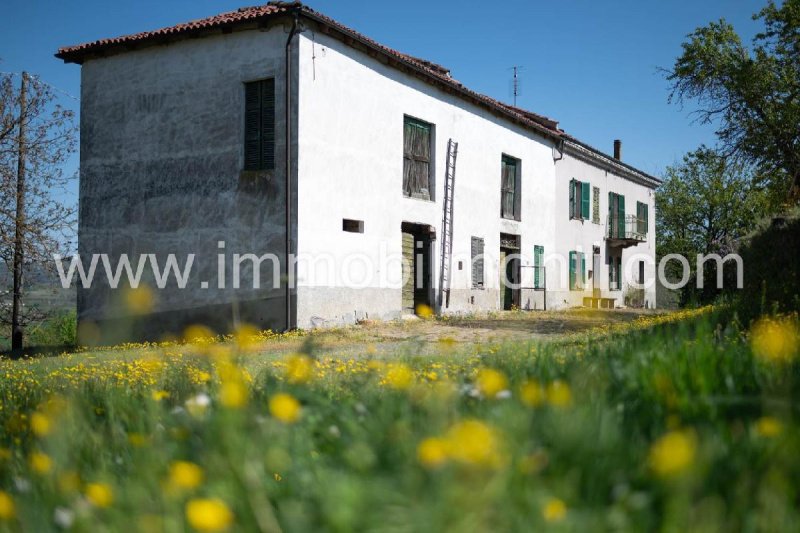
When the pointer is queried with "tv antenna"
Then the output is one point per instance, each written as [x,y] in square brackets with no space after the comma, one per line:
[515,82]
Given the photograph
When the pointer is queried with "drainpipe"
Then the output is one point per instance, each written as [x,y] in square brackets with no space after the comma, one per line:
[288,122]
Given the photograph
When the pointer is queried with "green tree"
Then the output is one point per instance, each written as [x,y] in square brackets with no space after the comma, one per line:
[752,94]
[705,205]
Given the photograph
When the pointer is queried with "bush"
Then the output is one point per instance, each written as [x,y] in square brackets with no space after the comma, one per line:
[771,272]
[58,330]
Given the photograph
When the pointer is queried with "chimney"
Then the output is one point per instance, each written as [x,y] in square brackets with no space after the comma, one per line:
[618,149]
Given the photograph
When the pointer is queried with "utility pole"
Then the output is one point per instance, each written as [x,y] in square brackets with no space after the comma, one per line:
[19,220]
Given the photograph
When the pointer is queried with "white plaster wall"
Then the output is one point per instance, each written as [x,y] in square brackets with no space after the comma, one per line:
[582,235]
[350,131]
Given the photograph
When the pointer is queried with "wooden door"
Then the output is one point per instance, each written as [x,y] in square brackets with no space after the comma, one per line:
[409,274]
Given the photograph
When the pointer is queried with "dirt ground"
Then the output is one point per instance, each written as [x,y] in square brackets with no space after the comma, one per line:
[415,335]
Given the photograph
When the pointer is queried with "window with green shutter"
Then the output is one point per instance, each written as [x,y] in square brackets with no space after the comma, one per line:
[259,125]
[580,200]
[417,149]
[616,215]
[641,218]
[538,267]
[509,187]
[477,262]
[577,270]
[596,205]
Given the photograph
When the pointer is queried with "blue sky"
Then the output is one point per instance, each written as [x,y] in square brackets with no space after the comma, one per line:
[593,66]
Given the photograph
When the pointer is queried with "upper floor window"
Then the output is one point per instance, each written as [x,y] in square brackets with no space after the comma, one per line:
[259,125]
[642,218]
[509,188]
[596,205]
[579,199]
[417,168]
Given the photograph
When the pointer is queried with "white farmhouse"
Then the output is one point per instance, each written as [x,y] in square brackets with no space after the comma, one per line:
[405,190]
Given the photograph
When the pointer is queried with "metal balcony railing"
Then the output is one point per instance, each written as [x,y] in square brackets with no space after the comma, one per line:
[628,227]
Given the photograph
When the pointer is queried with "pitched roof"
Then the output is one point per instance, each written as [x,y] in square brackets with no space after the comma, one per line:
[262,14]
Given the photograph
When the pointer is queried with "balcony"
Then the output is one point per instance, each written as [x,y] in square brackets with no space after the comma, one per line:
[625,231]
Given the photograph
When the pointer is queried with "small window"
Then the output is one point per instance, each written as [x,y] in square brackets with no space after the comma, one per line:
[577,271]
[641,218]
[509,188]
[538,267]
[641,273]
[353,226]
[477,262]
[417,151]
[579,200]
[259,125]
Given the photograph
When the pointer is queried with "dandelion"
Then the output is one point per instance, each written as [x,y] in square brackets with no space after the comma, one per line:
[398,376]
[432,452]
[246,337]
[559,394]
[285,408]
[208,514]
[40,462]
[233,394]
[424,311]
[554,510]
[198,335]
[99,494]
[7,508]
[185,475]
[158,395]
[139,300]
[673,453]
[775,339]
[768,426]
[490,382]
[475,443]
[532,394]
[40,424]
[298,368]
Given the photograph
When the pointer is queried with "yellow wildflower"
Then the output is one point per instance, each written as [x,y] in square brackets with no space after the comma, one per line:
[40,462]
[559,394]
[7,508]
[185,475]
[159,395]
[775,339]
[198,335]
[554,510]
[40,424]
[424,311]
[139,300]
[298,368]
[673,453]
[233,394]
[285,408]
[208,514]
[99,494]
[490,382]
[531,393]
[398,376]
[474,442]
[767,426]
[432,452]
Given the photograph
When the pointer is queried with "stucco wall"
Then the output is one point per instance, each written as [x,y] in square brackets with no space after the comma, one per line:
[581,236]
[161,158]
[351,110]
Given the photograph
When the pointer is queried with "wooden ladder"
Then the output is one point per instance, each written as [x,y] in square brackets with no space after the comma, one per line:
[447,222]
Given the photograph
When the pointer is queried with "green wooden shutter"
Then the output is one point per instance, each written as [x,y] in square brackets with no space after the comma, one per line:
[572,265]
[619,273]
[572,199]
[268,124]
[252,126]
[646,218]
[538,256]
[621,215]
[586,200]
[583,270]
[477,262]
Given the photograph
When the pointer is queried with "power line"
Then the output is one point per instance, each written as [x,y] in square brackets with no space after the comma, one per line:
[39,79]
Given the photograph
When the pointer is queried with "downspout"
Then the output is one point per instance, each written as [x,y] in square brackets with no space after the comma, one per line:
[288,109]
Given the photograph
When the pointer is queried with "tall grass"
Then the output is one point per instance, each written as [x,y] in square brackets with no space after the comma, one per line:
[674,426]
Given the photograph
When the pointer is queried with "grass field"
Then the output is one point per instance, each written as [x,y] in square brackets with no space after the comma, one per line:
[598,422]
